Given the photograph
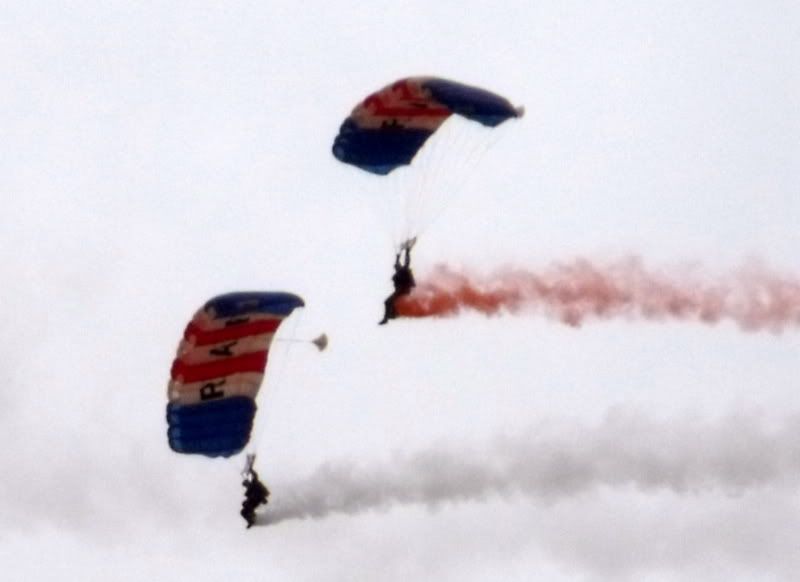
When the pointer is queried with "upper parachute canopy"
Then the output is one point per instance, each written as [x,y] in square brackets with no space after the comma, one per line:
[219,368]
[389,127]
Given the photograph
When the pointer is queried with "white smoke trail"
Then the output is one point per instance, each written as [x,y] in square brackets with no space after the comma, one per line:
[689,456]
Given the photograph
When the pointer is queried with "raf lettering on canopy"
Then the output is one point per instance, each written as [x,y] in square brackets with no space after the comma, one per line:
[209,390]
[224,349]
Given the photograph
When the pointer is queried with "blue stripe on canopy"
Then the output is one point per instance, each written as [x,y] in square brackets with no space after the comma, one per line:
[379,150]
[243,303]
[473,103]
[219,428]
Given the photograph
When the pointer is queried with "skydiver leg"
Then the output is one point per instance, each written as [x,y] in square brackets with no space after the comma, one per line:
[389,311]
[249,515]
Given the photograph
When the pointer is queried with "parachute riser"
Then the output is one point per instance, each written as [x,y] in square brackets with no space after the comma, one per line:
[250,458]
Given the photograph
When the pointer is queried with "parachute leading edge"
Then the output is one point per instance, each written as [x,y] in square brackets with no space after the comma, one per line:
[389,127]
[218,371]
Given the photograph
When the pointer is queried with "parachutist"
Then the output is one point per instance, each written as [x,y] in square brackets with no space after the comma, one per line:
[403,280]
[255,494]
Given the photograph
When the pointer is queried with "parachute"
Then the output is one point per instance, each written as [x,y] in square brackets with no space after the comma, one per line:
[384,136]
[218,370]
[389,127]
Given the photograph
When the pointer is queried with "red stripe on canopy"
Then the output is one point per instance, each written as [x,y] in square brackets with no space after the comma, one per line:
[203,337]
[253,362]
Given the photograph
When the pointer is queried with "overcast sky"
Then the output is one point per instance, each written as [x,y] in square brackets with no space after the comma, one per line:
[156,154]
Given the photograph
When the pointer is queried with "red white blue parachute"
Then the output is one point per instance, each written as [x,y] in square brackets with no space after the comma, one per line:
[423,138]
[218,370]
[389,127]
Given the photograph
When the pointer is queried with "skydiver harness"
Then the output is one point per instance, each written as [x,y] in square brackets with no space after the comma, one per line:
[255,494]
[403,281]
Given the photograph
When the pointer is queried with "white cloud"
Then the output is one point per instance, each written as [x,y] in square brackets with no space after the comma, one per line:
[153,156]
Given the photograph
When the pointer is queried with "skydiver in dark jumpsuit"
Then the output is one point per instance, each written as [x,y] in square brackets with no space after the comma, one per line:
[255,494]
[403,280]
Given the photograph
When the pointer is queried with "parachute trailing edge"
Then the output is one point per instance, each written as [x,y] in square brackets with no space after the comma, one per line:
[218,371]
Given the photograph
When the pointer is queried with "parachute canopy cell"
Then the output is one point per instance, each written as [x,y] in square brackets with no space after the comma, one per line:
[219,368]
[389,127]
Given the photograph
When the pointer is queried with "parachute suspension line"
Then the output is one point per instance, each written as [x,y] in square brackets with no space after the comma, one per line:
[425,190]
[320,342]
[383,206]
[272,384]
[450,159]
[388,211]
[249,461]
[445,151]
[285,360]
[468,165]
[404,190]
[451,174]
[384,198]
[457,186]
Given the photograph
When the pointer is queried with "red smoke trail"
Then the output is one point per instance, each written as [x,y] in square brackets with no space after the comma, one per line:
[753,297]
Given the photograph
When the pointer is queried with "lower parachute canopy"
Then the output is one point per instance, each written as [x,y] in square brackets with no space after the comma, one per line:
[218,370]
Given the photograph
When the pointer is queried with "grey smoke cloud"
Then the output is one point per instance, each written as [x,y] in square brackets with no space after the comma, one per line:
[550,462]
